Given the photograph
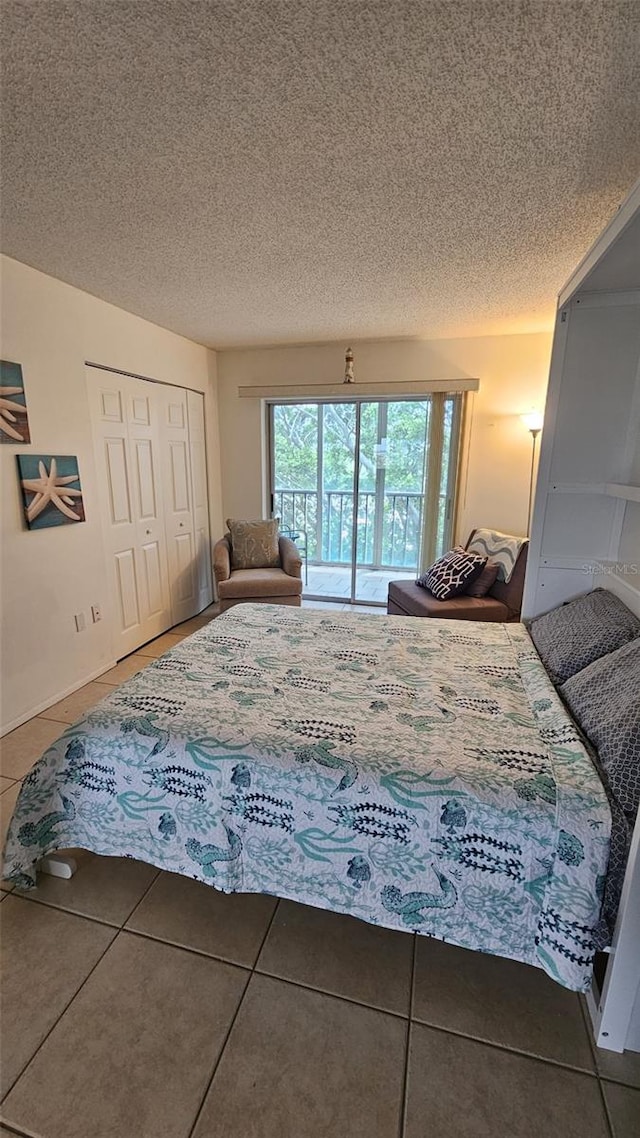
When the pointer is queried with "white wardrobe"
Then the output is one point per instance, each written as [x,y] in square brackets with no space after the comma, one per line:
[149,442]
[586,521]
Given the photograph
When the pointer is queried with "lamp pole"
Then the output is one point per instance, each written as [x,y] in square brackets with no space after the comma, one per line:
[533,422]
[534,432]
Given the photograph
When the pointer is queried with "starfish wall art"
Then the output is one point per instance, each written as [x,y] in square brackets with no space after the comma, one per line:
[14,424]
[51,490]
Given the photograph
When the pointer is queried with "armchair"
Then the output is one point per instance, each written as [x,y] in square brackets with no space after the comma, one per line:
[279,586]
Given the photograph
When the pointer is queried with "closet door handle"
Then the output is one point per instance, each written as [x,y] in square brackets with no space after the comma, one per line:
[181,525]
[148,532]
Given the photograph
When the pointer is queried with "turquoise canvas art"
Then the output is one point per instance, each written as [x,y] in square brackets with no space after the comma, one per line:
[14,422]
[51,490]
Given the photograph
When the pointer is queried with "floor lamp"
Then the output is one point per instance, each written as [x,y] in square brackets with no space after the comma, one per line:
[533,423]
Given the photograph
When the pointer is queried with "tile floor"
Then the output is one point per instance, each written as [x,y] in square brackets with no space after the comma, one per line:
[138,1004]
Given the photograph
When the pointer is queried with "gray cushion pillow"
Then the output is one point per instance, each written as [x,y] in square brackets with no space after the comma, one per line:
[604,700]
[571,637]
[484,582]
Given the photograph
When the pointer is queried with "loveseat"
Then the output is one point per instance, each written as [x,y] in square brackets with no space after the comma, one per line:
[502,603]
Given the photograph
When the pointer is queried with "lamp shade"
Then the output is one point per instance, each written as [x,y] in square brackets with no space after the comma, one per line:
[533,420]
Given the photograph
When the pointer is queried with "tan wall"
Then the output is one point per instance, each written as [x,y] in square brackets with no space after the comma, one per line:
[513,373]
[48,575]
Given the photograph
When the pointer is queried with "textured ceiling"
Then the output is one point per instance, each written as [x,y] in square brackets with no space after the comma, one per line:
[264,171]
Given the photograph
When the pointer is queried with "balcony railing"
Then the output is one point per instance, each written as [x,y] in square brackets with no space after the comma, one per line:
[388,530]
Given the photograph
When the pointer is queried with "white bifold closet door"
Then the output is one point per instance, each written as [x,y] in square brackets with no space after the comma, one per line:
[126,424]
[202,540]
[145,470]
[178,503]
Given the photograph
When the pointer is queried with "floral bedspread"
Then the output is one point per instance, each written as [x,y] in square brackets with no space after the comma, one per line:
[418,774]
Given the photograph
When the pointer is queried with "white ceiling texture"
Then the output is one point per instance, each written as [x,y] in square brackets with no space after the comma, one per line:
[271,171]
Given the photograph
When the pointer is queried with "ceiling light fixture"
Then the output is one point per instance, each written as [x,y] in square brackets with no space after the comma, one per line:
[348,367]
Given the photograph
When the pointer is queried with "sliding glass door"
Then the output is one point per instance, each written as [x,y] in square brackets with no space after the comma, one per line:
[393,449]
[313,448]
[396,460]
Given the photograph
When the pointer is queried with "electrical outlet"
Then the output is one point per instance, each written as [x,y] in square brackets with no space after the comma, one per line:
[96,613]
[79,619]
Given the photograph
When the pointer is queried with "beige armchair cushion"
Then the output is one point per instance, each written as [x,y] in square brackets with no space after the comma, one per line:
[256,583]
[254,545]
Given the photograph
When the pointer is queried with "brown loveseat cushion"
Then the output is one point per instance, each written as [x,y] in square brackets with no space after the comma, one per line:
[407,597]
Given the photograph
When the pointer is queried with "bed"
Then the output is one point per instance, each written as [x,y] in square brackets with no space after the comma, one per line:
[418,775]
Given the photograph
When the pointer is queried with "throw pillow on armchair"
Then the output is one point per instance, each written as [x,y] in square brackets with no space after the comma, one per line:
[254,545]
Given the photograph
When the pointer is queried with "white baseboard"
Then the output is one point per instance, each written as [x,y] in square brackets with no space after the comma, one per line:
[6,728]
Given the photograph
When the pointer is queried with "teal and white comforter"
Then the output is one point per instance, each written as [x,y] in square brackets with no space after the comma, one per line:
[418,774]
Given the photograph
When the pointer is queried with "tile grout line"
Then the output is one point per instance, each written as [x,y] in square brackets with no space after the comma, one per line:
[296,983]
[254,969]
[232,1024]
[592,1044]
[14,1128]
[509,1050]
[70,912]
[219,1059]
[50,719]
[405,1080]
[332,995]
[76,993]
[141,899]
[58,1018]
[90,916]
[594,1051]
[618,1080]
[605,1107]
[185,948]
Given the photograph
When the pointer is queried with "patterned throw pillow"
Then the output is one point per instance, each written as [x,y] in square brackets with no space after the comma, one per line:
[487,579]
[572,636]
[254,545]
[604,700]
[452,573]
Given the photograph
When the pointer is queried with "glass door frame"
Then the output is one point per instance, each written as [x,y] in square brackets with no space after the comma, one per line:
[357,400]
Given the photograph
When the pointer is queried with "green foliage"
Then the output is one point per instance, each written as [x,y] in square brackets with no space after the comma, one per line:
[314,451]
[296,445]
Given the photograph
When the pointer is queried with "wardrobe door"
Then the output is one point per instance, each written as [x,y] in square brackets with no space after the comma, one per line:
[178,503]
[126,461]
[195,408]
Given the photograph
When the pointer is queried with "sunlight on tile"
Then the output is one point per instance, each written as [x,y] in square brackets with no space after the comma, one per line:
[21,748]
[162,644]
[124,669]
[76,704]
